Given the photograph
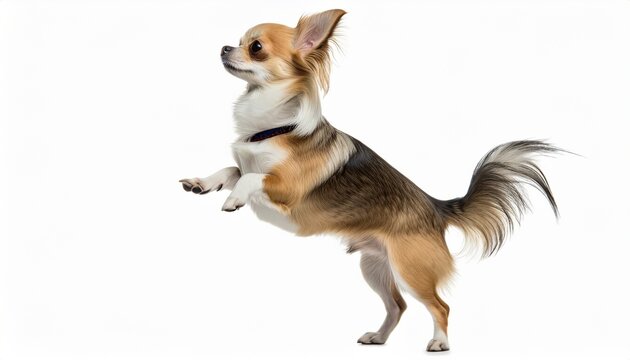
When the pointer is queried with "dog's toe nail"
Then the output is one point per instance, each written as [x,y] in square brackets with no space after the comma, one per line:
[196,189]
[186,186]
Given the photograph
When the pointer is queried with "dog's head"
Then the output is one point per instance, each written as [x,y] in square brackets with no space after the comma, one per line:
[268,53]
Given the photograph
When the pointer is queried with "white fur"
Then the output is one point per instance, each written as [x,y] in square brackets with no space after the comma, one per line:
[225,179]
[308,116]
[515,155]
[260,109]
[256,159]
[248,186]
[254,72]
[439,335]
[269,213]
[269,106]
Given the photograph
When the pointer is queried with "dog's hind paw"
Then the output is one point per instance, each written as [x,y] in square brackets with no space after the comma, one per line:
[437,345]
[372,338]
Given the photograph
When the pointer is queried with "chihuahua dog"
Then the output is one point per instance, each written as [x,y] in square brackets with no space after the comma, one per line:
[300,173]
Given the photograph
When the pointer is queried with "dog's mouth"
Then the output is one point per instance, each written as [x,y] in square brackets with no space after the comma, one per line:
[229,67]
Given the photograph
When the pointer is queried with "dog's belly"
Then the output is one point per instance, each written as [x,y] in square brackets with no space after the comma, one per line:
[268,213]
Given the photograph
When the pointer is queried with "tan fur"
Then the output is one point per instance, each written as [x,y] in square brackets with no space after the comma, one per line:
[424,263]
[420,257]
[308,164]
[318,60]
[282,56]
[325,181]
[407,230]
[277,48]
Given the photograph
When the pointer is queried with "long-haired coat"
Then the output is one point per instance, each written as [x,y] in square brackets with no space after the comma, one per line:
[300,173]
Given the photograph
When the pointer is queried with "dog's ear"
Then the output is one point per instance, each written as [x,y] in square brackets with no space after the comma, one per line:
[314,31]
[313,34]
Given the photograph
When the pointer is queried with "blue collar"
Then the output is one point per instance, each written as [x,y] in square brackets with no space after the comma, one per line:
[266,134]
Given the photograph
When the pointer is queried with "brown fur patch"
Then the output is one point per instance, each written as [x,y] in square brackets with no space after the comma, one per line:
[308,164]
[332,183]
[363,196]
[366,196]
[424,263]
[277,50]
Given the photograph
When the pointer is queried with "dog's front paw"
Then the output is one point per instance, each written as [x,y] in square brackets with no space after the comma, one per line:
[200,186]
[233,203]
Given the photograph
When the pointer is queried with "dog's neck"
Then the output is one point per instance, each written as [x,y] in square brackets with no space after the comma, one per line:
[271,106]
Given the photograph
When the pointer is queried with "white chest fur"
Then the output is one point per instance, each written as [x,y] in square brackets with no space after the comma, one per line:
[261,109]
[257,157]
[264,108]
[257,110]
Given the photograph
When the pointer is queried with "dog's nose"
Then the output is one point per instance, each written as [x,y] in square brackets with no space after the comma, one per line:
[226,49]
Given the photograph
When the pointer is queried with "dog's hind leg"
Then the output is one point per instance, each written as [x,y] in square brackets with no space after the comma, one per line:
[376,271]
[420,263]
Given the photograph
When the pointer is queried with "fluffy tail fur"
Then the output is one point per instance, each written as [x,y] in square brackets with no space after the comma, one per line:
[496,199]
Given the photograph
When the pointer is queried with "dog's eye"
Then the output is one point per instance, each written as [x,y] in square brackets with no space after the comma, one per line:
[255,47]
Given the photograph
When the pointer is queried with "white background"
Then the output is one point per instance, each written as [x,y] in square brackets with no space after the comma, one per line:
[104,105]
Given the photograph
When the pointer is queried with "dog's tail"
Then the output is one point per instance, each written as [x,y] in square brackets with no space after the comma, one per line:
[496,198]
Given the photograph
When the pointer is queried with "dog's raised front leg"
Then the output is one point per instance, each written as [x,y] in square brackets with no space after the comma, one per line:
[249,185]
[222,179]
